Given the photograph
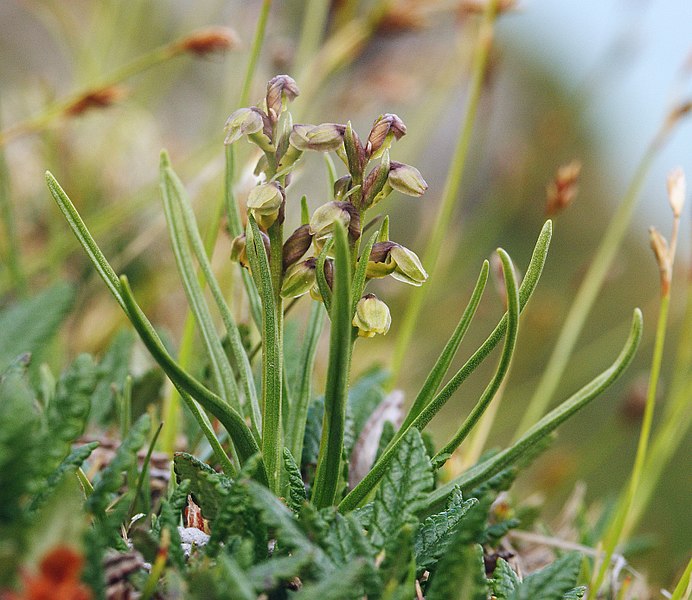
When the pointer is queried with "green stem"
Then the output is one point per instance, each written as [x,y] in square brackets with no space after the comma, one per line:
[683,589]
[614,534]
[328,472]
[255,50]
[13,249]
[455,178]
[315,13]
[586,295]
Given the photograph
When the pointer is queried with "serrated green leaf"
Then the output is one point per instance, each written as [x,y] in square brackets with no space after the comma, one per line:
[70,464]
[220,580]
[551,582]
[365,395]
[294,488]
[575,593]
[460,575]
[271,574]
[28,325]
[68,411]
[504,580]
[112,476]
[402,489]
[208,488]
[398,569]
[340,584]
[437,531]
[169,518]
[19,444]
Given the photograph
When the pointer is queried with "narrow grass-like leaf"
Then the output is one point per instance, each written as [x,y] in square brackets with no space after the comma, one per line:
[171,191]
[299,410]
[234,423]
[358,494]
[503,366]
[359,277]
[483,471]
[149,336]
[235,342]
[272,379]
[433,380]
[85,239]
[336,390]
[322,285]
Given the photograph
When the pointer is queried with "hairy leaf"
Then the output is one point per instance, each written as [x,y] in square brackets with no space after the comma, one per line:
[504,581]
[340,584]
[208,488]
[460,575]
[29,324]
[435,534]
[294,488]
[219,580]
[402,489]
[551,582]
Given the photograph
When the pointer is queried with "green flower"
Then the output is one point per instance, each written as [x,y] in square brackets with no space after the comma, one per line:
[372,316]
[265,203]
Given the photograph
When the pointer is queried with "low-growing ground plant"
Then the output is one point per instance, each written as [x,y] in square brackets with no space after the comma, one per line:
[295,491]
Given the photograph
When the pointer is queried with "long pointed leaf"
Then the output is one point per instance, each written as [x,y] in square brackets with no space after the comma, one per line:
[502,367]
[336,391]
[272,445]
[482,472]
[432,382]
[299,410]
[171,192]
[236,344]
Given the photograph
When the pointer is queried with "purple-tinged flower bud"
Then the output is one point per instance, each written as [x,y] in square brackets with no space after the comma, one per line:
[280,89]
[379,262]
[265,203]
[296,245]
[299,278]
[385,130]
[322,138]
[252,122]
[355,153]
[372,317]
[375,183]
[328,275]
[341,187]
[406,179]
[239,249]
[323,219]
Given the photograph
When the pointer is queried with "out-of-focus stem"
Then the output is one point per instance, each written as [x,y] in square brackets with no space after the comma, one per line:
[453,183]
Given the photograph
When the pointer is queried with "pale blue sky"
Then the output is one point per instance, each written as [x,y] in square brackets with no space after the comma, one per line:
[628,57]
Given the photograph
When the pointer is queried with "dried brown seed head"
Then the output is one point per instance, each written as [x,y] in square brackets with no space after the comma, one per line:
[563,188]
[209,40]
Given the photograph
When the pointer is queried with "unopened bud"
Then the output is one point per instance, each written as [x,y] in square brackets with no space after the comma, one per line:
[562,190]
[355,152]
[251,122]
[329,277]
[265,202]
[322,138]
[206,41]
[324,218]
[341,186]
[280,89]
[299,278]
[406,179]
[676,191]
[296,245]
[375,183]
[239,249]
[372,316]
[385,130]
[660,247]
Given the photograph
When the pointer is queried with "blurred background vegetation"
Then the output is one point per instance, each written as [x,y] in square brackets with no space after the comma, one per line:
[408,57]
